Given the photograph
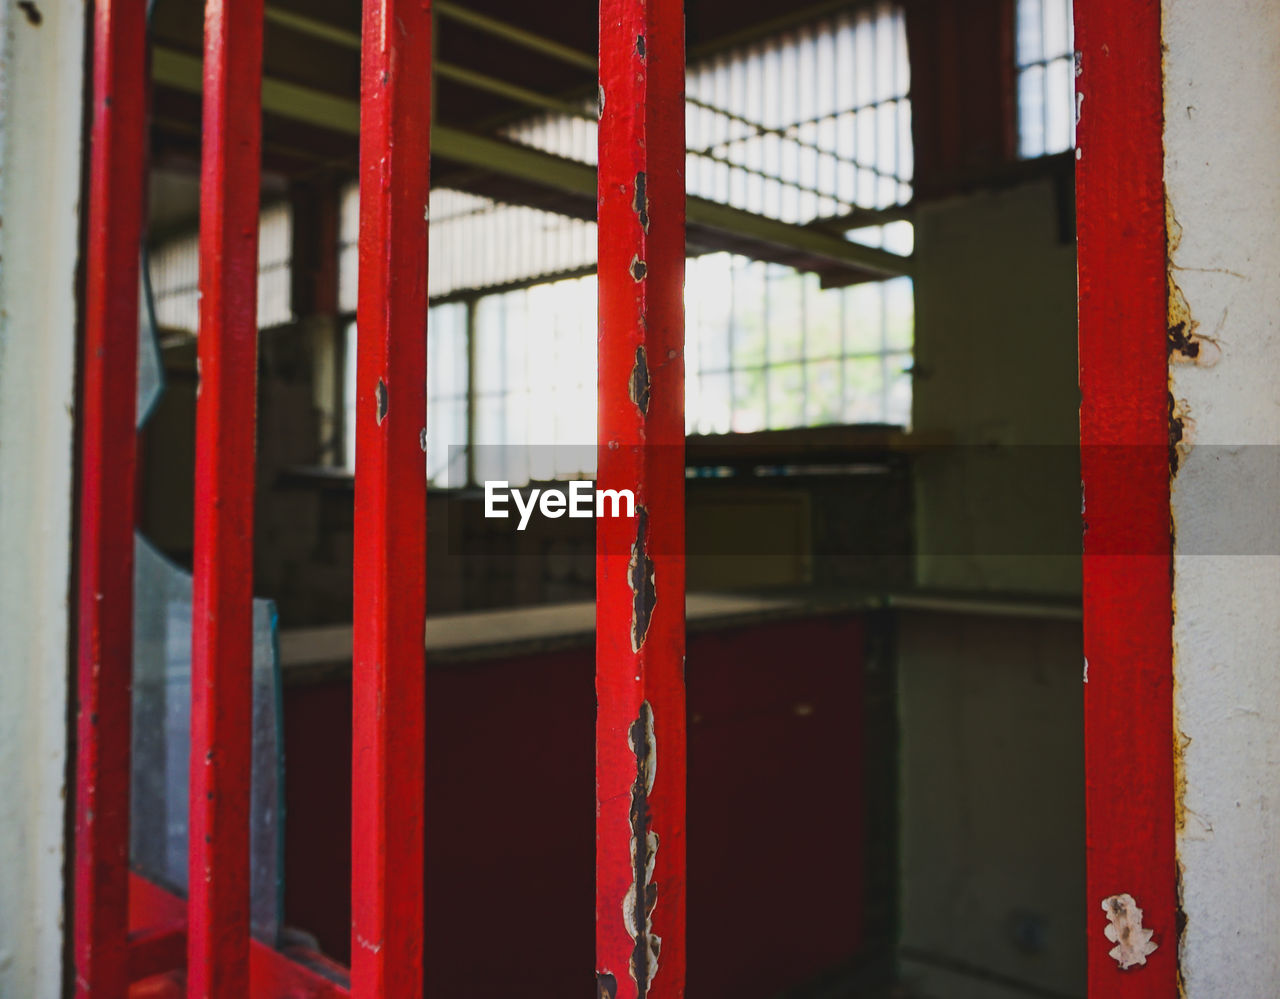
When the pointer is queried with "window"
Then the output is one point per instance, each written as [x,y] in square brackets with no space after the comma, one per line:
[446,394]
[1046,77]
[175,275]
[808,127]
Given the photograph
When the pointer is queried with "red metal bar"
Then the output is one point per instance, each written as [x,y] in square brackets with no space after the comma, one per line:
[388,762]
[107,477]
[1125,435]
[222,610]
[640,722]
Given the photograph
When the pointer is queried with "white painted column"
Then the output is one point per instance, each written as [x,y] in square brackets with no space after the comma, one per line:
[1222,169]
[41,81]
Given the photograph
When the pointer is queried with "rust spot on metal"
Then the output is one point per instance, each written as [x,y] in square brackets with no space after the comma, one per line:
[32,12]
[380,394]
[641,578]
[638,905]
[1132,940]
[606,985]
[641,202]
[640,382]
[640,46]
[638,268]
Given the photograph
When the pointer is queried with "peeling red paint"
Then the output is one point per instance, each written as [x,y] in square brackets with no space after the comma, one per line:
[640,563]
[1125,436]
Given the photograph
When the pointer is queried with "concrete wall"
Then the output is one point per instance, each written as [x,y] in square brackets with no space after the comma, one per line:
[40,149]
[991,767]
[1222,143]
[998,505]
[992,804]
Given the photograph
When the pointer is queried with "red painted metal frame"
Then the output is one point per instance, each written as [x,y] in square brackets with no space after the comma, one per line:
[222,608]
[1125,438]
[640,582]
[108,459]
[297,973]
[388,756]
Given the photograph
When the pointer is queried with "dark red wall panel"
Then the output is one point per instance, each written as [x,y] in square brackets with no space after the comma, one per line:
[775,814]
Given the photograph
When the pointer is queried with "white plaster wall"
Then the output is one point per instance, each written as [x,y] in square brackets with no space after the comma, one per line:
[1222,168]
[40,150]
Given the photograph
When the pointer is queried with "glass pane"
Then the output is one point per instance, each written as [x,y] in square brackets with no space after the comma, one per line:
[162,739]
[900,320]
[1057,28]
[1031,112]
[1030,32]
[823,401]
[1060,109]
[863,387]
[713,414]
[898,390]
[785,315]
[786,396]
[864,319]
[748,400]
[150,368]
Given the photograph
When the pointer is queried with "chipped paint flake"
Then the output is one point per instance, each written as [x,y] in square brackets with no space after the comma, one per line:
[640,202]
[641,576]
[639,386]
[1132,941]
[641,898]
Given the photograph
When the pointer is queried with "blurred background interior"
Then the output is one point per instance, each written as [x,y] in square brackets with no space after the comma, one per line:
[884,653]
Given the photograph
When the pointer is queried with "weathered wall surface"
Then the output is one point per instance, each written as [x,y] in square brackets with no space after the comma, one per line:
[1222,143]
[41,50]
[991,771]
[998,508]
[992,805]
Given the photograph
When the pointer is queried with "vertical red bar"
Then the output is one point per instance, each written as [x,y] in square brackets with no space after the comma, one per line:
[388,764]
[640,723]
[108,459]
[1125,458]
[222,610]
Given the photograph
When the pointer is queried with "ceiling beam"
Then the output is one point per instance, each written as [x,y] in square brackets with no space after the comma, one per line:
[181,71]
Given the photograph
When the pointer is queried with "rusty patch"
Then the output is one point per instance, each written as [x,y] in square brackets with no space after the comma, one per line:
[1181,426]
[1132,940]
[640,46]
[1180,931]
[380,393]
[606,985]
[639,902]
[638,268]
[640,575]
[639,387]
[1186,344]
[640,203]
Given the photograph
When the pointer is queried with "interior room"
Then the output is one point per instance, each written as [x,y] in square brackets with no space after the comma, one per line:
[884,653]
